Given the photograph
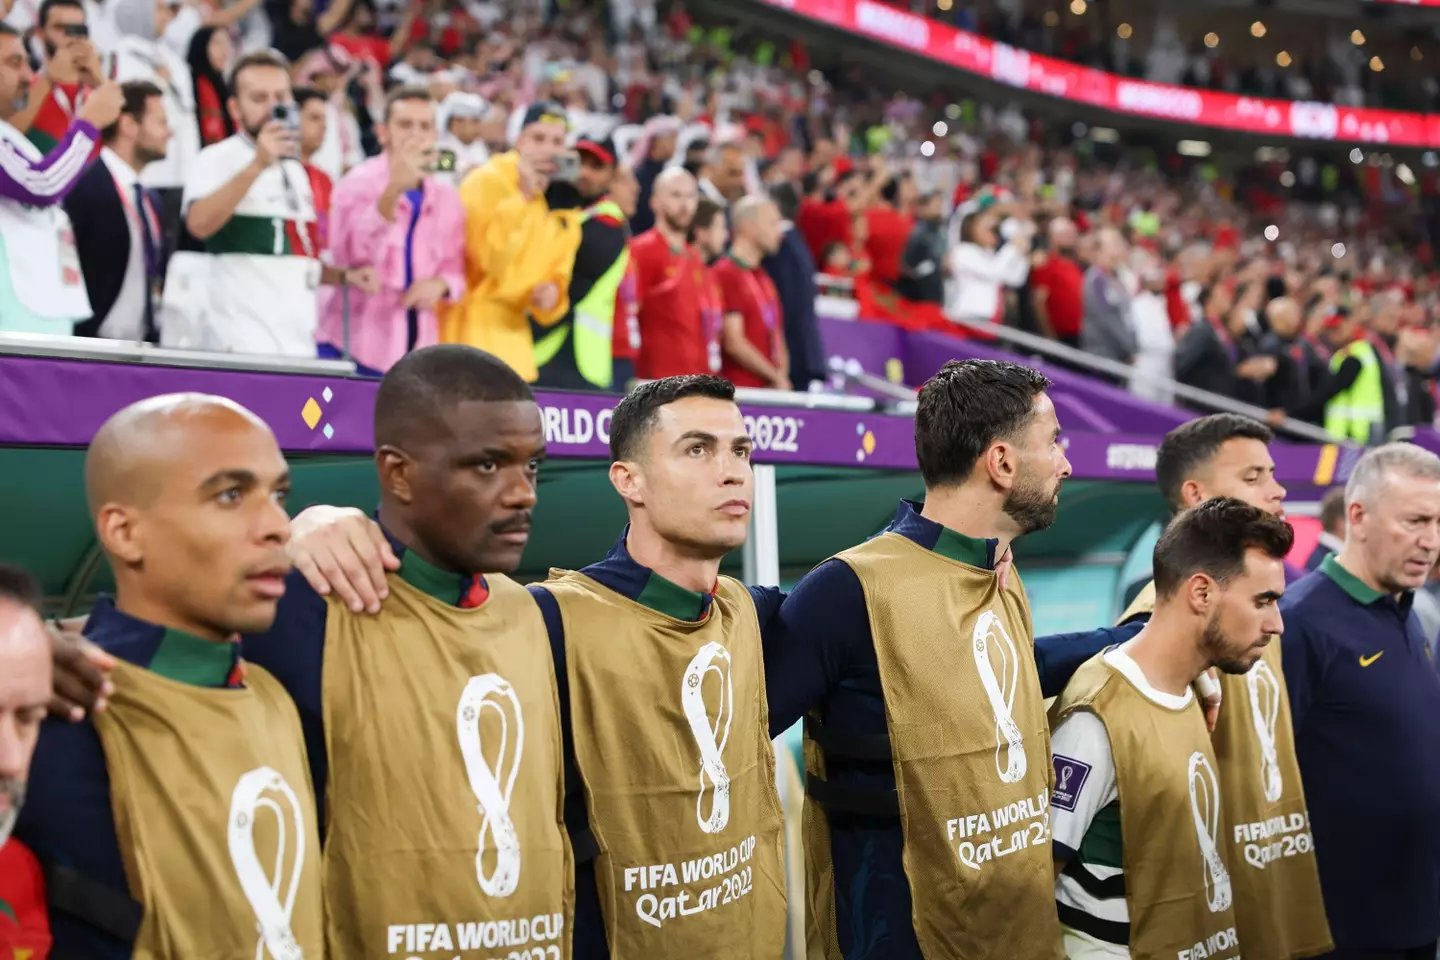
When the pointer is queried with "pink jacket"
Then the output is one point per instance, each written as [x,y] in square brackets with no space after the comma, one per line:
[361,237]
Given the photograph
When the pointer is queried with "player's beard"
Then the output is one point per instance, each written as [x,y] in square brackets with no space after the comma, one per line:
[1031,504]
[676,224]
[14,790]
[1214,645]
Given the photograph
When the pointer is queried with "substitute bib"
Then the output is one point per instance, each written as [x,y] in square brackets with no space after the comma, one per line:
[1279,910]
[215,817]
[444,835]
[971,752]
[1177,883]
[672,741]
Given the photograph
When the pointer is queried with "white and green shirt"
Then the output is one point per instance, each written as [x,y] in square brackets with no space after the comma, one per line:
[264,272]
[1087,824]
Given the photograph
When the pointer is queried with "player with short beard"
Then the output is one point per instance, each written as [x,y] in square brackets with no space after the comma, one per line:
[670,285]
[1151,877]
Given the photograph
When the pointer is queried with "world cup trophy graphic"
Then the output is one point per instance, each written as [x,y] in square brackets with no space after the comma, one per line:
[1205,809]
[264,795]
[710,735]
[493,783]
[1265,712]
[990,641]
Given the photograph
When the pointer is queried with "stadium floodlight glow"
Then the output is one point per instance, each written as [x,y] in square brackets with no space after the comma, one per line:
[1078,130]
[1257,29]
[1283,58]
[1357,38]
[1078,7]
[953,111]
[1124,31]
[1193,148]
[1212,40]
[1272,233]
[1052,19]
[1337,251]
[927,149]
[1377,64]
[1356,156]
[1287,179]
[1405,175]
[941,128]
[1104,135]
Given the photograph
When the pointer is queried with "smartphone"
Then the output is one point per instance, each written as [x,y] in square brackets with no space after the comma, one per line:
[287,114]
[444,162]
[567,167]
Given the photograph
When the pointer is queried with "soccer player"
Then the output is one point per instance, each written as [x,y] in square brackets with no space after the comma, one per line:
[1136,786]
[433,723]
[1279,910]
[180,821]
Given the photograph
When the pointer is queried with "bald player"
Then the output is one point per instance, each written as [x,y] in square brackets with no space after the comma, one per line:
[754,337]
[669,284]
[168,823]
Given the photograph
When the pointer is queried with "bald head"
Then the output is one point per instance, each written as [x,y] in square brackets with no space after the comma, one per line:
[673,199]
[25,683]
[137,445]
[188,494]
[756,221]
[1283,314]
[1062,233]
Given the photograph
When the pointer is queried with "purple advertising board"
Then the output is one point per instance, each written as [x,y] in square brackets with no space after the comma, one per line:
[52,402]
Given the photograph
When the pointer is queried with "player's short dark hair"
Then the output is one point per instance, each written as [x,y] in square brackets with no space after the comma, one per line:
[48,5]
[787,199]
[426,384]
[304,95]
[1192,445]
[706,210]
[137,94]
[637,414]
[1332,511]
[254,59]
[967,406]
[1213,538]
[409,91]
[17,586]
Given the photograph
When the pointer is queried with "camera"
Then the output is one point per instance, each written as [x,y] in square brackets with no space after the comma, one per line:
[75,31]
[567,167]
[287,114]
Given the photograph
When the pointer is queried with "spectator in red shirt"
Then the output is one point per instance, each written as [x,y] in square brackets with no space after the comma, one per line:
[209,59]
[72,70]
[1058,286]
[24,692]
[313,120]
[709,236]
[670,280]
[754,339]
[889,229]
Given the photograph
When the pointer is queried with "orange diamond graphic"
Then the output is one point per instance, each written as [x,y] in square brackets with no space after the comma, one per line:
[310,413]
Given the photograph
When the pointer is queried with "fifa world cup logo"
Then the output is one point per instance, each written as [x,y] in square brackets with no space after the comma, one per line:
[1205,808]
[1265,711]
[493,784]
[270,895]
[991,641]
[710,735]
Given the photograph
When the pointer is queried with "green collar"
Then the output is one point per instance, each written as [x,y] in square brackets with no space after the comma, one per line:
[186,658]
[968,550]
[665,596]
[1359,591]
[424,576]
[738,262]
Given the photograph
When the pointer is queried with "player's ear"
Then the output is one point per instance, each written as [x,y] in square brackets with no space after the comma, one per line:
[119,532]
[628,481]
[395,468]
[1200,593]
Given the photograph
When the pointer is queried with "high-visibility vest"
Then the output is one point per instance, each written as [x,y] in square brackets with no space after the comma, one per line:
[593,318]
[1359,410]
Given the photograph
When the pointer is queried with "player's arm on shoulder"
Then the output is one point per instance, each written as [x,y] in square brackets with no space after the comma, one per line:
[341,550]
[1084,782]
[1059,655]
[818,634]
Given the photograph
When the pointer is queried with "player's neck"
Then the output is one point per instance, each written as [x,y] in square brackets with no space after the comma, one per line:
[1168,650]
[971,512]
[745,252]
[134,603]
[1353,561]
[675,238]
[126,152]
[673,561]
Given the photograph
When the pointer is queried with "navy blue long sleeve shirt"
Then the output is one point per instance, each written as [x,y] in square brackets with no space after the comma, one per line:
[67,820]
[1364,699]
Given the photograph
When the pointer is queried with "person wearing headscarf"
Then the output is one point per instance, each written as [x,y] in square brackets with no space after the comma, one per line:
[653,151]
[147,52]
[330,70]
[460,123]
[209,59]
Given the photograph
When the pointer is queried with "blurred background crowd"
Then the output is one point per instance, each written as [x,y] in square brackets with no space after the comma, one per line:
[617,189]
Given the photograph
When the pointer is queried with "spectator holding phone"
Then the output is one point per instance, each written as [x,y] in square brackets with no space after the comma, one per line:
[72,70]
[519,253]
[249,201]
[398,233]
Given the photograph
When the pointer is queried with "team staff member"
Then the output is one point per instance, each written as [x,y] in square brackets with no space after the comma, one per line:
[1128,725]
[152,818]
[754,339]
[1279,910]
[670,279]
[1364,698]
[424,851]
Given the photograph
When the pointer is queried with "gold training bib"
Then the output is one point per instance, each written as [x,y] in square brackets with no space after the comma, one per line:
[444,830]
[971,752]
[672,742]
[215,817]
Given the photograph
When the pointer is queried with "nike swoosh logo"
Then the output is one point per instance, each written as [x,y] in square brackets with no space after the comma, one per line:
[1366,661]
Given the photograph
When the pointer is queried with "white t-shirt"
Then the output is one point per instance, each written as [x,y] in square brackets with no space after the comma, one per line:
[1085,793]
[264,269]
